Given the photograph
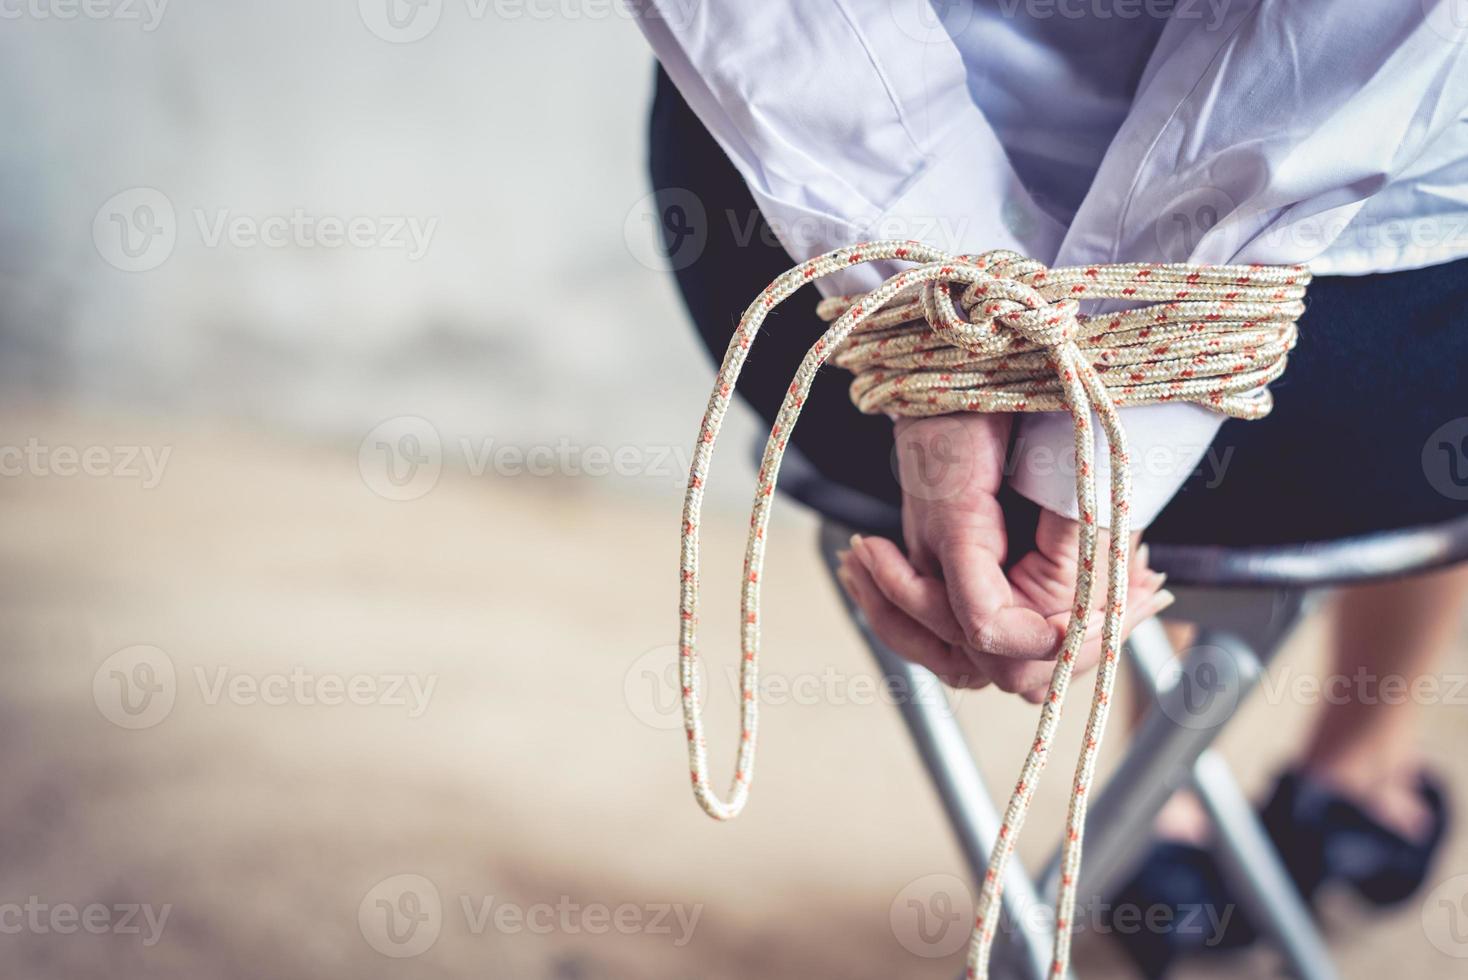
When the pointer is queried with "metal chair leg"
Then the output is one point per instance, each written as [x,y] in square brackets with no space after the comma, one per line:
[1249,860]
[1253,869]
[1170,748]
[1023,947]
[1189,712]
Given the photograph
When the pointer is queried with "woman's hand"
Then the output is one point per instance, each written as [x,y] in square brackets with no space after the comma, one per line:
[948,604]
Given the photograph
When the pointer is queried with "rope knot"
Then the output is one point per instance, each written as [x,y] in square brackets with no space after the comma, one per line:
[1003,296]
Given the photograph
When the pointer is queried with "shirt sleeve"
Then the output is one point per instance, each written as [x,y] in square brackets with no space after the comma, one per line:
[1315,132]
[1268,133]
[847,122]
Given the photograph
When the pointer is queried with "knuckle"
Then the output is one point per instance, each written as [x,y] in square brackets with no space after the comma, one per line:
[980,634]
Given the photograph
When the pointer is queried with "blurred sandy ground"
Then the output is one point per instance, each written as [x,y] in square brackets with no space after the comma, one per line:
[541,773]
[545,767]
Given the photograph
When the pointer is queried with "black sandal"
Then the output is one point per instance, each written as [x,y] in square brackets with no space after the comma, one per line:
[1184,882]
[1322,838]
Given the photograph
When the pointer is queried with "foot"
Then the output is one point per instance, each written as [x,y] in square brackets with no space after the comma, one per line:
[1183,820]
[1392,796]
[1327,836]
[1380,843]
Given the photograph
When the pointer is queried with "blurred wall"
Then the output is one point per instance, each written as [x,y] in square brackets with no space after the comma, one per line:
[316,216]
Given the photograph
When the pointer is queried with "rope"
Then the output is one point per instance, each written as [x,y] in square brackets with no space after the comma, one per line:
[1000,333]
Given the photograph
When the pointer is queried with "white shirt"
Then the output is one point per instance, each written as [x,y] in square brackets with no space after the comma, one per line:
[1328,132]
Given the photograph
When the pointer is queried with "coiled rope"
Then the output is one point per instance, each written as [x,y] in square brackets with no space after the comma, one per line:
[998,332]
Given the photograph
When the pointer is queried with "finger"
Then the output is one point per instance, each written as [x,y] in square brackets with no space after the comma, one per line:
[1028,678]
[981,599]
[1018,633]
[919,555]
[922,597]
[903,634]
[1144,600]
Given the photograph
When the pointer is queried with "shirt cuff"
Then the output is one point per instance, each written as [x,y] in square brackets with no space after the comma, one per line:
[1165,443]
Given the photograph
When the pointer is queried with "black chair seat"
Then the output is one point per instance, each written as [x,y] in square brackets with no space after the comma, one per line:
[1365,558]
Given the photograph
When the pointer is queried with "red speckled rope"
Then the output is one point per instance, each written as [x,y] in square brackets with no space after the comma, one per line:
[1001,333]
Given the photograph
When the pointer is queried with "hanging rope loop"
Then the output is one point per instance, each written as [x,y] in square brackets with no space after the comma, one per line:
[999,332]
